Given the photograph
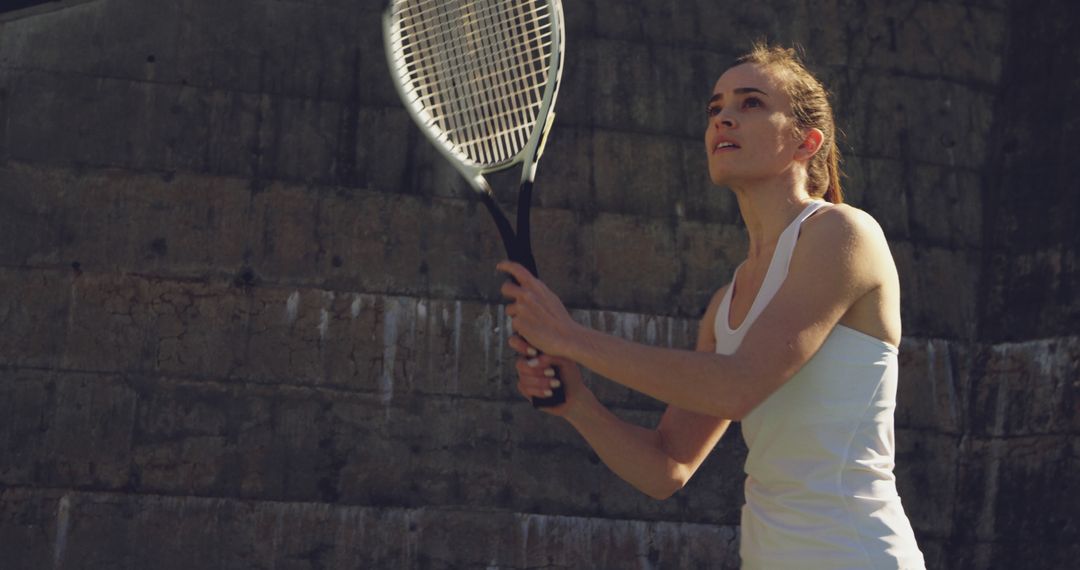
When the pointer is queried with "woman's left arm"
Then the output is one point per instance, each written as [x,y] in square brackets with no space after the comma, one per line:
[833,265]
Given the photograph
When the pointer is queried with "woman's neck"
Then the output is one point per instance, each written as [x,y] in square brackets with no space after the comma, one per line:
[767,209]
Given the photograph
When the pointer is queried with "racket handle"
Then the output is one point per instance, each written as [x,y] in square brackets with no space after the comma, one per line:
[519,249]
[558,395]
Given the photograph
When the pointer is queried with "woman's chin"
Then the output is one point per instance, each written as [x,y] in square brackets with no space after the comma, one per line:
[721,178]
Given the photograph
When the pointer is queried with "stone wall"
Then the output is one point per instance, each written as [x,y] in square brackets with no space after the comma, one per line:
[249,318]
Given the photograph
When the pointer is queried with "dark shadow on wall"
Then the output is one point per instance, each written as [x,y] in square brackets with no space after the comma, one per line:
[15,9]
[1030,267]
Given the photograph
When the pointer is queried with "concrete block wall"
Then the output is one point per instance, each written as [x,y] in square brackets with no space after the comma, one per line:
[249,318]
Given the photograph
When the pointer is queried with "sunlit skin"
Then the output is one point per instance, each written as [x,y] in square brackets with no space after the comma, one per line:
[841,272]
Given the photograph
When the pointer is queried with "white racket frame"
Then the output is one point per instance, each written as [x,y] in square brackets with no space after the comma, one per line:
[472,171]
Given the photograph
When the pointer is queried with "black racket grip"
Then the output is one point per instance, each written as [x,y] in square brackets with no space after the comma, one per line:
[520,251]
[558,395]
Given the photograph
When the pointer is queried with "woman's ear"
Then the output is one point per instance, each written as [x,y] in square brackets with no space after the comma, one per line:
[811,142]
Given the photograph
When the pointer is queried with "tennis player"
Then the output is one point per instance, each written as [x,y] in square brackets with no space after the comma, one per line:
[800,346]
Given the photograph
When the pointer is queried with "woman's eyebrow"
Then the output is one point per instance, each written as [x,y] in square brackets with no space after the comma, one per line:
[738,91]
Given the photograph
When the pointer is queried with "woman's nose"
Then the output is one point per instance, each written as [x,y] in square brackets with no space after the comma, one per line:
[724,119]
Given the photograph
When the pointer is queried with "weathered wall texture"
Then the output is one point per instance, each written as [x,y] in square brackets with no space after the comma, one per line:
[249,319]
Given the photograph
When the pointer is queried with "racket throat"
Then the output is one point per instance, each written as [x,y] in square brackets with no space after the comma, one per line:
[480,184]
[518,244]
[523,242]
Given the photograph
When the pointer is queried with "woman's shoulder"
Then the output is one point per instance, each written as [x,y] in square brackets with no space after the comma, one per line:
[848,240]
[843,223]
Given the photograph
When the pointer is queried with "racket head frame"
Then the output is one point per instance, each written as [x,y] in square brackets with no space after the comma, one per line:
[472,171]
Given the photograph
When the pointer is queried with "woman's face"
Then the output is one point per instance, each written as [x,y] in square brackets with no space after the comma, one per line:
[751,131]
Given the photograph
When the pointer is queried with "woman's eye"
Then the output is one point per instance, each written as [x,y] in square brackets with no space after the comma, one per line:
[712,111]
[752,102]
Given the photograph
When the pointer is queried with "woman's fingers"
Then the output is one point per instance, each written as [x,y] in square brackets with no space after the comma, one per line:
[535,310]
[511,290]
[538,366]
[534,387]
[542,367]
[536,377]
[521,346]
[515,270]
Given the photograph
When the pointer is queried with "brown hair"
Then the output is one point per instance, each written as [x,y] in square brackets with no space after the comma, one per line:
[810,105]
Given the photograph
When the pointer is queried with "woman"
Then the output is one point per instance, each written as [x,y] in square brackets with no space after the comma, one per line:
[800,346]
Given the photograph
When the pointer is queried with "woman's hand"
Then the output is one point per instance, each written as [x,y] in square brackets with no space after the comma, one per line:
[536,379]
[538,314]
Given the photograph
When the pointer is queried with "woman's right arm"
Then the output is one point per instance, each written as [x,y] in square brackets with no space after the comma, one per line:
[658,462]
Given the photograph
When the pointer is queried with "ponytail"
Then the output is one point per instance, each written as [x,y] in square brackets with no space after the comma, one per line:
[833,193]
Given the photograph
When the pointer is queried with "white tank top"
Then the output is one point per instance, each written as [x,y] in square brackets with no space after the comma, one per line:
[820,490]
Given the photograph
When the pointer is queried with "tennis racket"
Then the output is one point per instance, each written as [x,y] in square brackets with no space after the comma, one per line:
[480,78]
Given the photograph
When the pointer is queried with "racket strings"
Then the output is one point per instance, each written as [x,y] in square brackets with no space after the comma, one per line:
[509,102]
[525,96]
[478,70]
[428,72]
[543,25]
[449,41]
[495,110]
[497,78]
